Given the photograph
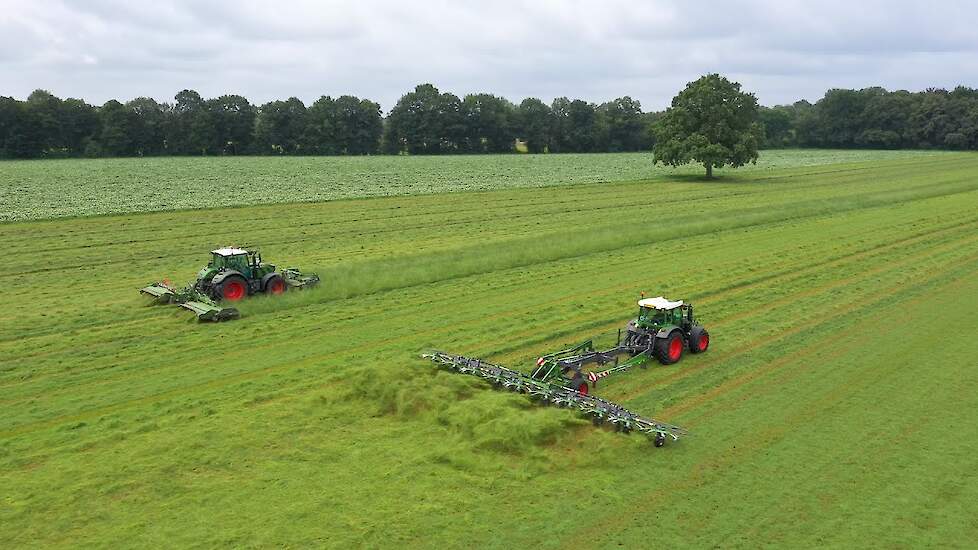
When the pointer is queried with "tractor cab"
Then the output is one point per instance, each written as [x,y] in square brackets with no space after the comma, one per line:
[659,312]
[235,259]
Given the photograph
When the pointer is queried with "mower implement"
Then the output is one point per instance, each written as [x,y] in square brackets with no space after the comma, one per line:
[203,307]
[598,409]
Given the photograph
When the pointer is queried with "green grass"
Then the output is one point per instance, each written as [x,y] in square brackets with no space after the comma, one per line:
[41,189]
[835,406]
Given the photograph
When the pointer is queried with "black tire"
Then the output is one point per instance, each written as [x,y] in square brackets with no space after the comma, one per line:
[232,289]
[659,440]
[699,339]
[669,350]
[275,285]
[579,384]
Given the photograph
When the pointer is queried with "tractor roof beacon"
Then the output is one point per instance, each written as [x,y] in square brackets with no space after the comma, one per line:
[232,274]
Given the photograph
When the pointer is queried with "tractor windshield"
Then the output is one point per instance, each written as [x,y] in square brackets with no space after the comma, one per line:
[217,261]
[651,316]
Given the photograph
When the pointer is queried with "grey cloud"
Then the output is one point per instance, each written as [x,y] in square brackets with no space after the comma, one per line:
[783,51]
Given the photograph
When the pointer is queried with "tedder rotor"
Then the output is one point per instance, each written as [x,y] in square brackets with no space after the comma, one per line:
[663,330]
[231,275]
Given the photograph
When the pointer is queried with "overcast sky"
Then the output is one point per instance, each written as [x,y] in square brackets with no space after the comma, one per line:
[781,50]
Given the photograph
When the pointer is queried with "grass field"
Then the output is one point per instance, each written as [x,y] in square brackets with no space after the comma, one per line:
[835,406]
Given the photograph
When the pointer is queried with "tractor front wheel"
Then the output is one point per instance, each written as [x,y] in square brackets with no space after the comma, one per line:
[579,384]
[670,348]
[233,289]
[276,285]
[699,339]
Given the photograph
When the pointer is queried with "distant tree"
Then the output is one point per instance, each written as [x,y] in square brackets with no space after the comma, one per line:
[148,127]
[532,122]
[45,109]
[425,121]
[191,130]
[359,125]
[621,127]
[777,125]
[322,128]
[488,124]
[344,126]
[233,121]
[19,134]
[78,122]
[560,126]
[117,128]
[281,127]
[710,122]
[581,131]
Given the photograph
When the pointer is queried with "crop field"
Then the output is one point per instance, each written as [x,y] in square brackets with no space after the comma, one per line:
[31,190]
[836,406]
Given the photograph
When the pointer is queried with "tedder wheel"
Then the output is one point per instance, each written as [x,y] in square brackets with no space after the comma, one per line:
[660,439]
[579,384]
[276,285]
[233,288]
[670,348]
[699,339]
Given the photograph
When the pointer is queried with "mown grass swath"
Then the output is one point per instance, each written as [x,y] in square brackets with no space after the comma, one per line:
[839,381]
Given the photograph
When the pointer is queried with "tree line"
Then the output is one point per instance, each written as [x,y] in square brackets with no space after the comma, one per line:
[874,118]
[428,121]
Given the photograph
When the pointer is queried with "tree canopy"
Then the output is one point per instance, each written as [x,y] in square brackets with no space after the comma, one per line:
[710,122]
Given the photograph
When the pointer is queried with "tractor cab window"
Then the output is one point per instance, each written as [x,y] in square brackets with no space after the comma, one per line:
[239,263]
[217,261]
[676,316]
[650,315]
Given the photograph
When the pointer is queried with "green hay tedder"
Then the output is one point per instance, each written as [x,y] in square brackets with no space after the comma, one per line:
[231,275]
[662,330]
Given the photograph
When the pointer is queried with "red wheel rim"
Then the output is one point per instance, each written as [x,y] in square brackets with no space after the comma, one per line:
[233,290]
[277,286]
[704,342]
[675,348]
[583,389]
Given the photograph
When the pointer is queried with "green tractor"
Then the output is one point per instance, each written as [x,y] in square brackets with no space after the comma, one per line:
[232,274]
[665,329]
[662,330]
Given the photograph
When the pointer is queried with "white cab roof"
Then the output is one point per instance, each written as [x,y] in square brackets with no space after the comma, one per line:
[229,251]
[659,303]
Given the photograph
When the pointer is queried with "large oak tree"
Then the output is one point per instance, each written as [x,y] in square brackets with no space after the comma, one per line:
[710,122]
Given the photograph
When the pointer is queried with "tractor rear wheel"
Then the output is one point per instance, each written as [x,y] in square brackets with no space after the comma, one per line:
[276,285]
[670,348]
[233,288]
[699,339]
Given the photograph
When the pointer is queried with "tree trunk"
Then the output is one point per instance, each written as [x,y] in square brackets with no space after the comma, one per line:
[709,169]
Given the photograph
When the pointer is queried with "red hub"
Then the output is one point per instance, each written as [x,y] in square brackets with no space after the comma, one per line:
[675,349]
[277,286]
[704,342]
[233,290]
[583,389]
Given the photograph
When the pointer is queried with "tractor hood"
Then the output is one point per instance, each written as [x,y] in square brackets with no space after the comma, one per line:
[206,273]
